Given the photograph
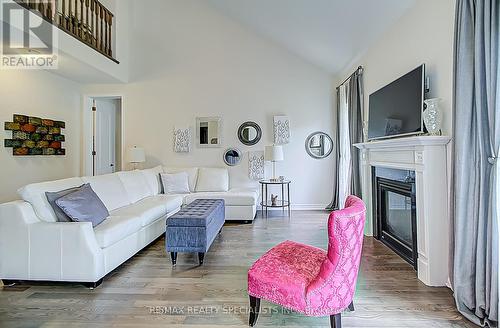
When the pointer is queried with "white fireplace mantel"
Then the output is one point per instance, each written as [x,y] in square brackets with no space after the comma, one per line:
[427,156]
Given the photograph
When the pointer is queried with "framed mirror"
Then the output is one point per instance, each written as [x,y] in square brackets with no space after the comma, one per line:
[249,133]
[232,156]
[319,145]
[209,131]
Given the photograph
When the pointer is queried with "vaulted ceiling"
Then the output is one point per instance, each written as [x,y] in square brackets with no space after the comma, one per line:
[328,33]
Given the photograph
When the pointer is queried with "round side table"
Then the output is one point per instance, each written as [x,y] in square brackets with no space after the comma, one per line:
[280,203]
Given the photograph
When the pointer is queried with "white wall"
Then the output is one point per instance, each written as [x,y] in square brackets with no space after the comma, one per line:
[424,34]
[45,95]
[190,61]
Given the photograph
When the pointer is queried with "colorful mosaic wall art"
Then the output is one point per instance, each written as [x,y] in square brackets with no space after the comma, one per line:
[35,136]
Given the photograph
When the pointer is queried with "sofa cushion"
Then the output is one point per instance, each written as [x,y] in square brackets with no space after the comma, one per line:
[231,198]
[175,183]
[150,209]
[115,228]
[153,179]
[110,190]
[35,195]
[191,171]
[212,179]
[135,185]
[83,205]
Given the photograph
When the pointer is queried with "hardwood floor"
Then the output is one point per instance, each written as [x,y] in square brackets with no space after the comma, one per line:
[146,291]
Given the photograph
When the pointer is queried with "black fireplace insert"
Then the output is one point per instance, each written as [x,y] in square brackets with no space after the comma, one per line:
[395,211]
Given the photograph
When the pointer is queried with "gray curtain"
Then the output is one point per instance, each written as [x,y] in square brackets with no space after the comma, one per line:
[476,126]
[356,114]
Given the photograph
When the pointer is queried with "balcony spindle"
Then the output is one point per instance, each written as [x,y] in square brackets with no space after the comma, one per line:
[101,11]
[106,30]
[70,15]
[80,26]
[87,25]
[110,23]
[62,19]
[92,9]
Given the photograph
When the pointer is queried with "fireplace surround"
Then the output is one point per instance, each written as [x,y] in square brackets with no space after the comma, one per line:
[427,157]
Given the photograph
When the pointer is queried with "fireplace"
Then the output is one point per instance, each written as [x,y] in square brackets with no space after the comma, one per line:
[395,211]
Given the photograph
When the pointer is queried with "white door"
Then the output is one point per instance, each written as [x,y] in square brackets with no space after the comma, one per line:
[105,136]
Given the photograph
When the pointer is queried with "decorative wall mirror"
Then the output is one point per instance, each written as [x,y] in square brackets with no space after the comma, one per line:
[232,156]
[319,145]
[249,133]
[209,131]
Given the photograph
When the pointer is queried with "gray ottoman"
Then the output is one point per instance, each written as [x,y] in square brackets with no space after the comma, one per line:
[194,228]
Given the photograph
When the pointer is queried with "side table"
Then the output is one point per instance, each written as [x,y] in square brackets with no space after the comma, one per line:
[281,203]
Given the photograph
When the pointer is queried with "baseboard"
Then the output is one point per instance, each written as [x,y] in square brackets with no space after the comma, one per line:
[303,207]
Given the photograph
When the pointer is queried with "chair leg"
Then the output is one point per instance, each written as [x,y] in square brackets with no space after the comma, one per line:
[336,321]
[351,307]
[254,310]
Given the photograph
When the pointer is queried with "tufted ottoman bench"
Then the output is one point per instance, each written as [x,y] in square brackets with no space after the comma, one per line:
[194,228]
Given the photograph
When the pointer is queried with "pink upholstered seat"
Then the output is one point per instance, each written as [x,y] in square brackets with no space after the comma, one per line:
[307,279]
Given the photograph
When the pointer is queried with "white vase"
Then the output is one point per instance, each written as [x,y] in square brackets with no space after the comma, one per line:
[433,116]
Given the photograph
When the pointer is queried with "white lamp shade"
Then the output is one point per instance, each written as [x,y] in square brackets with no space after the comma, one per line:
[273,153]
[136,155]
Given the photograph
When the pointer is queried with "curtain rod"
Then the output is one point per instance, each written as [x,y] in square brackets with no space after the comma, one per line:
[360,68]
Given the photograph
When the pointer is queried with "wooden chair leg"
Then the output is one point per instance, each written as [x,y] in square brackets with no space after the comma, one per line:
[336,321]
[351,307]
[254,310]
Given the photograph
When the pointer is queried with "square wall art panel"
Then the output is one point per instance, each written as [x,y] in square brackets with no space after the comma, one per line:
[182,140]
[35,136]
[281,127]
[256,165]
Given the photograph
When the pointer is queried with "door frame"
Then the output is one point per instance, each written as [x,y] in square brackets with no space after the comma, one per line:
[87,132]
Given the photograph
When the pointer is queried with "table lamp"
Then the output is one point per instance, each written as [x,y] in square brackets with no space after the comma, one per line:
[274,154]
[136,155]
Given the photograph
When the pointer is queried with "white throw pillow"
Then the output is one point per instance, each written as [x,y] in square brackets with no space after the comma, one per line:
[191,171]
[177,183]
[212,179]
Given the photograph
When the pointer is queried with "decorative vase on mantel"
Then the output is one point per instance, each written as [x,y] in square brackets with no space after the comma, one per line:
[433,116]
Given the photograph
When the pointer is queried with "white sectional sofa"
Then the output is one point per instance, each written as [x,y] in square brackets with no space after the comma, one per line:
[34,246]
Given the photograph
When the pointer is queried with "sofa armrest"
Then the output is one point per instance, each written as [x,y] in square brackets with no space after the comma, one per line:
[56,251]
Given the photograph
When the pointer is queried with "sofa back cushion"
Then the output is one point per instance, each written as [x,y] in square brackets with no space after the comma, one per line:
[35,195]
[135,184]
[175,183]
[191,171]
[110,190]
[153,179]
[212,179]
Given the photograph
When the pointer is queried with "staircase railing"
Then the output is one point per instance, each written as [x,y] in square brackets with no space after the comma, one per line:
[87,20]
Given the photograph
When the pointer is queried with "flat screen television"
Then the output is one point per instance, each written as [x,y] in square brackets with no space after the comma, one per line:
[396,109]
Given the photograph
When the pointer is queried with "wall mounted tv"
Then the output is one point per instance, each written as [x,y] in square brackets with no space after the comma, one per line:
[396,109]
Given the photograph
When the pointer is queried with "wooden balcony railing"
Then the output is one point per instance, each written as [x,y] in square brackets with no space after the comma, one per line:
[87,20]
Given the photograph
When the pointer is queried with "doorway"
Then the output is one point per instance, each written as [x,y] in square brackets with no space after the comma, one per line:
[105,135]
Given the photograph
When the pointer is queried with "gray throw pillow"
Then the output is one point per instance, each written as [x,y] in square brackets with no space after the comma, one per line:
[83,205]
[53,196]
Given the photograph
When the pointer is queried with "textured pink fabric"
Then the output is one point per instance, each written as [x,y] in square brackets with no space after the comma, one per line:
[307,279]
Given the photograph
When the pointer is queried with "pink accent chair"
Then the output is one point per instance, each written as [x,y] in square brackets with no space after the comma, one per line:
[307,279]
